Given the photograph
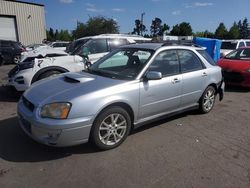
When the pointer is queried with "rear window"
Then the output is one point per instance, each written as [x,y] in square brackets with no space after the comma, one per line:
[229,45]
[206,56]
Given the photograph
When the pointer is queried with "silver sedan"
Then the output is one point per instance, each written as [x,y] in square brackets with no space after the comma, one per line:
[125,89]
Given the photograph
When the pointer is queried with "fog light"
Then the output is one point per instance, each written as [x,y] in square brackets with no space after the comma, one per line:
[53,137]
[19,80]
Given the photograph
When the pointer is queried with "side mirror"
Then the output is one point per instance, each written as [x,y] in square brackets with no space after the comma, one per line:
[153,75]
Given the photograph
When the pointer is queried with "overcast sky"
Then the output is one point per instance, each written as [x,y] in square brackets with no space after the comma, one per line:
[201,14]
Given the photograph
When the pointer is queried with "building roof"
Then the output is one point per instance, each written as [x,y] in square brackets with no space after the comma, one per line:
[14,1]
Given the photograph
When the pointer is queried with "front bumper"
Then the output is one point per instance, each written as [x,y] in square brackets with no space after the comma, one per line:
[237,78]
[50,132]
[20,80]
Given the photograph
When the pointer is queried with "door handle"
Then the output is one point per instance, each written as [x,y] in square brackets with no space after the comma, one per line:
[175,80]
[204,74]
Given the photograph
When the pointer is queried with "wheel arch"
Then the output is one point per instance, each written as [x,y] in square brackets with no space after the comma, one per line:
[46,69]
[123,105]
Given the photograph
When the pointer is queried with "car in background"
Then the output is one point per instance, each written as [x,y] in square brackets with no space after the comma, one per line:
[130,86]
[25,74]
[41,52]
[60,45]
[228,46]
[236,67]
[32,47]
[10,51]
[76,44]
[97,46]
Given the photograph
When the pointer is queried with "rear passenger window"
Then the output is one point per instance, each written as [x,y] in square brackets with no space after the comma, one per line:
[166,62]
[189,61]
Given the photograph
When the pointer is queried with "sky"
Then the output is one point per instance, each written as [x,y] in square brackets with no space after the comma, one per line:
[201,14]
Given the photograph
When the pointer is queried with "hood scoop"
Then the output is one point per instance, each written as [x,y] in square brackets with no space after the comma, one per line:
[77,78]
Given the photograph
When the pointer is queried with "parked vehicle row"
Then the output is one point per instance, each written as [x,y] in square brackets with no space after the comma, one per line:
[40,64]
[128,87]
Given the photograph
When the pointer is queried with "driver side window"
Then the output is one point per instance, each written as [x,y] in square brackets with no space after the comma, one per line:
[167,63]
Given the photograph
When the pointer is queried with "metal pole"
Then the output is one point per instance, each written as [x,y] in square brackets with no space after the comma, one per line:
[142,23]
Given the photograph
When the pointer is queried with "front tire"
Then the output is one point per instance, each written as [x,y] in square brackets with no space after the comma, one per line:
[207,100]
[111,128]
[48,74]
[17,59]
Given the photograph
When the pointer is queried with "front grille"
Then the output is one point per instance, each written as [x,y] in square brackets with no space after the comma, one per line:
[232,76]
[28,104]
[26,124]
[13,71]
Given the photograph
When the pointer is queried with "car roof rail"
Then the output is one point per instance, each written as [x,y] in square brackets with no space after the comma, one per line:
[180,43]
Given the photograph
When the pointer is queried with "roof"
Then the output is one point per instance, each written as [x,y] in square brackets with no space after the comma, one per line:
[36,4]
[155,46]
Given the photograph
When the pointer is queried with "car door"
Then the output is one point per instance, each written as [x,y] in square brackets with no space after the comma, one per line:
[160,96]
[194,75]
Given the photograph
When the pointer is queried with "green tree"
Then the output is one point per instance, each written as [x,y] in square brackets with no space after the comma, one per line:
[182,29]
[165,28]
[244,29]
[156,27]
[234,32]
[221,31]
[50,34]
[139,27]
[206,34]
[95,26]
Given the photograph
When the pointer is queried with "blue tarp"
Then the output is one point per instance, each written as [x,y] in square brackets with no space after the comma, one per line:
[212,46]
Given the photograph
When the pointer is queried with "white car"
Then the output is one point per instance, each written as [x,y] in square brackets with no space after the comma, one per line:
[28,72]
[40,52]
[228,46]
[60,45]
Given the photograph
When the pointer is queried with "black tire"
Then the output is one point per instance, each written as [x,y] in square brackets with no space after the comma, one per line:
[48,74]
[16,59]
[207,100]
[116,133]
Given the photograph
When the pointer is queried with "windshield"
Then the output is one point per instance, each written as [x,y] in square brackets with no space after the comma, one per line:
[122,63]
[228,45]
[239,54]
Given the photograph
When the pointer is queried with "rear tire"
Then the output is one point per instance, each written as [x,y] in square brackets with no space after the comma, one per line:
[110,128]
[207,100]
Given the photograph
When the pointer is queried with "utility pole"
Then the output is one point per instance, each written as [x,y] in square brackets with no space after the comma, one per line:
[142,23]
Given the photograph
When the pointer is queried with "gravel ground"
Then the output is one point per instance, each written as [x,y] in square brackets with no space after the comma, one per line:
[187,150]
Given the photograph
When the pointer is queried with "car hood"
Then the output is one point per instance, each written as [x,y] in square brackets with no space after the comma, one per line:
[67,87]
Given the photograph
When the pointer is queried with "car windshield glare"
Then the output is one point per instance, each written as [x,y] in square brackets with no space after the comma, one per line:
[239,54]
[122,63]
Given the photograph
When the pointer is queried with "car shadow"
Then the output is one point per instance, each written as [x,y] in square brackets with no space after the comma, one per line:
[9,94]
[236,89]
[15,146]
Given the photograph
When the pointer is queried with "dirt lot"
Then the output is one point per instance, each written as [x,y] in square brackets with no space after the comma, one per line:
[188,150]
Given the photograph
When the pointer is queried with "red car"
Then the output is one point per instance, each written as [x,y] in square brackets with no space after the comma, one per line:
[236,67]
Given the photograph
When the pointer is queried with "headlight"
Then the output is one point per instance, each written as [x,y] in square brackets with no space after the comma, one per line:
[26,65]
[55,110]
[248,70]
